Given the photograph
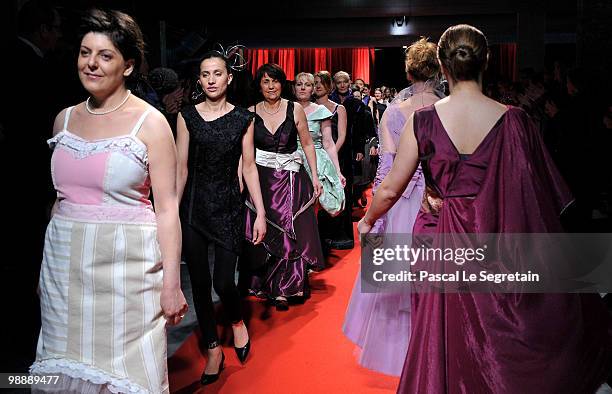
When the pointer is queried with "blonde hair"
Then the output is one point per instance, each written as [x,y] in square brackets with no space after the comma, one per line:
[342,74]
[421,61]
[308,76]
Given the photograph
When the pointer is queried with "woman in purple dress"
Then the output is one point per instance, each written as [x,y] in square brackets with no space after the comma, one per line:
[484,165]
[291,246]
[378,322]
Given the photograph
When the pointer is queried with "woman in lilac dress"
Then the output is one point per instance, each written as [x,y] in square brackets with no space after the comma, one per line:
[291,246]
[486,171]
[378,322]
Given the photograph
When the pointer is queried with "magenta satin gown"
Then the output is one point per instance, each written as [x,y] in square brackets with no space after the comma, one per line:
[499,343]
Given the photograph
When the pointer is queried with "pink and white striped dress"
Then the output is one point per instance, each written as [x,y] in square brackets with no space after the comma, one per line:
[101,278]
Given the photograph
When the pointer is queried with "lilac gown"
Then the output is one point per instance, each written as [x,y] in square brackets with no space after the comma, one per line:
[378,322]
[291,246]
[499,343]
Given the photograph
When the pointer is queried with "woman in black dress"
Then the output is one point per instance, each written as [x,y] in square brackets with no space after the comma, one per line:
[215,145]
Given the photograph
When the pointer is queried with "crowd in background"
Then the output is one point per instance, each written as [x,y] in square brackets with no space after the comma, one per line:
[574,118]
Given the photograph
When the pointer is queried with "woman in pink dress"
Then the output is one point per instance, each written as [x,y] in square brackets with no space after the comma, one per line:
[486,171]
[110,281]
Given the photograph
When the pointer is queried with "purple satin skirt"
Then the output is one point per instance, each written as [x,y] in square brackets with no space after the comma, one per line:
[291,246]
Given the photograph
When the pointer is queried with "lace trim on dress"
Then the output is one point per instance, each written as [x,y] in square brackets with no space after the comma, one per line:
[89,373]
[81,148]
[107,214]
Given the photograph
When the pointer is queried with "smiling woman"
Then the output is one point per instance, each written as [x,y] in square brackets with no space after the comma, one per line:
[104,295]
[292,241]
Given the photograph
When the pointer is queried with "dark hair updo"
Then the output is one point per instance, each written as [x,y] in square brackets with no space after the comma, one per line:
[213,54]
[463,51]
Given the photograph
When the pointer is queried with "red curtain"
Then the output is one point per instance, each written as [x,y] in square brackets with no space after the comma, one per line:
[360,64]
[286,59]
[321,56]
[356,61]
[502,62]
[257,58]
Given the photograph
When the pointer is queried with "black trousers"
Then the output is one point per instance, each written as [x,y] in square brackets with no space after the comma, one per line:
[340,228]
[198,252]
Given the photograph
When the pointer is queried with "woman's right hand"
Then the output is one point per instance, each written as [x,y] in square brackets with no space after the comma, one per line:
[342,179]
[259,229]
[363,227]
[316,185]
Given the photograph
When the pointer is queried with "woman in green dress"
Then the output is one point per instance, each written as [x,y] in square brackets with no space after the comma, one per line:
[319,125]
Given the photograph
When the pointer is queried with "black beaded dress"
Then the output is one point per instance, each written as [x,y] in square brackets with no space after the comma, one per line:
[212,203]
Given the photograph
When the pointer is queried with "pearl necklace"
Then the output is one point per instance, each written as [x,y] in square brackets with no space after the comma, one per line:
[263,105]
[91,111]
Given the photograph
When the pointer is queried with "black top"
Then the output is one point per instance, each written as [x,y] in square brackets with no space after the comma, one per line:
[284,139]
[212,203]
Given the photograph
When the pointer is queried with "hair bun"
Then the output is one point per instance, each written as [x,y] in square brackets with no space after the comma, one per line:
[463,53]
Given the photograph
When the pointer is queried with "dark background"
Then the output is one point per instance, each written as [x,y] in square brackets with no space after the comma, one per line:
[575,32]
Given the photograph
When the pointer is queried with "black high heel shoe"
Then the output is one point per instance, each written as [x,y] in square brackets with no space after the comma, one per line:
[209,379]
[243,352]
[281,304]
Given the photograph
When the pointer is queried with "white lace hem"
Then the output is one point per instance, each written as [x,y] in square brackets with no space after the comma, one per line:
[89,373]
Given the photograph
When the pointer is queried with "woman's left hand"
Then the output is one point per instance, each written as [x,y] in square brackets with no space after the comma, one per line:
[318,189]
[173,304]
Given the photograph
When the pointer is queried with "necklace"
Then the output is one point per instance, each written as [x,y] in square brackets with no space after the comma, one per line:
[91,111]
[263,105]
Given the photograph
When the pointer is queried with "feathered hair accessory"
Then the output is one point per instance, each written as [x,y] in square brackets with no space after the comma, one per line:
[233,56]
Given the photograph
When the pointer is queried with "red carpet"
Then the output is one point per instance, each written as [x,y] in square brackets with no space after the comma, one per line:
[302,350]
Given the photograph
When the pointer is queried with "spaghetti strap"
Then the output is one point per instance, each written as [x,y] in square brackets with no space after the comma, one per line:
[140,122]
[67,117]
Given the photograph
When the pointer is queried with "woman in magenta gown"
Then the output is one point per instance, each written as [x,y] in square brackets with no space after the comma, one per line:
[486,171]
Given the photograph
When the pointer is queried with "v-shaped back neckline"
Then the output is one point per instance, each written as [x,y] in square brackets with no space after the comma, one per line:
[482,141]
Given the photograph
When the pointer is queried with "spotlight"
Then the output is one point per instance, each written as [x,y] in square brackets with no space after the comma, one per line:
[400,26]
[399,21]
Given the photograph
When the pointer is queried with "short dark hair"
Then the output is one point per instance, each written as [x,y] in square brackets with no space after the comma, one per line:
[273,70]
[120,28]
[34,14]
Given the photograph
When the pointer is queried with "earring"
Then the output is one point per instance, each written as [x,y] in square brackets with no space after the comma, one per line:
[197,94]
